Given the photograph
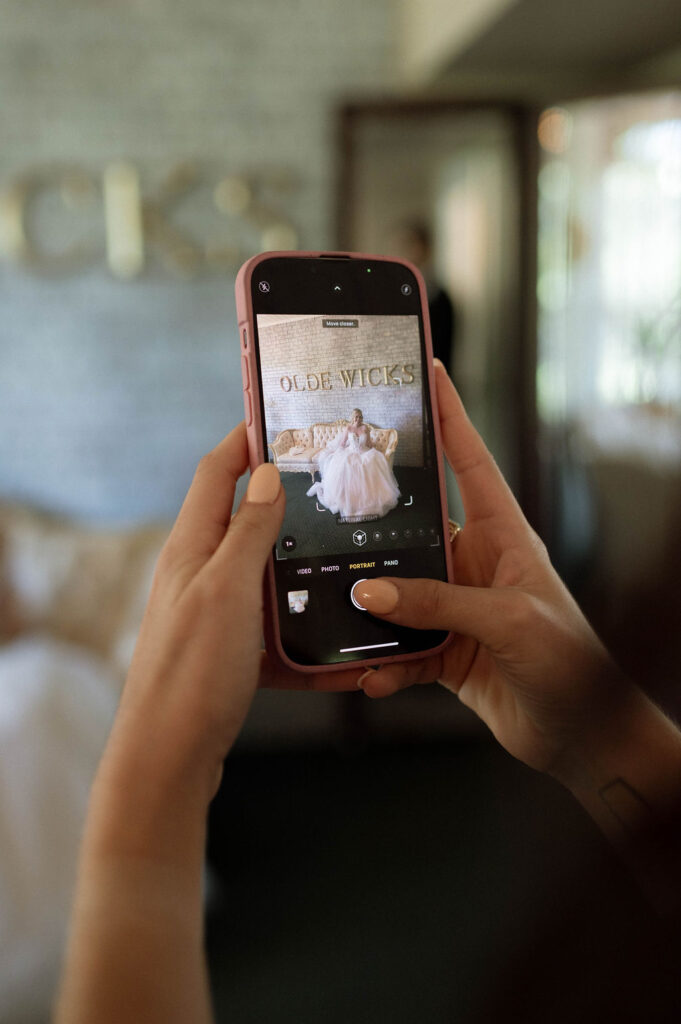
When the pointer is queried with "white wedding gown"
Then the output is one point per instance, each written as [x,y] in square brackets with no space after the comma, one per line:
[356,480]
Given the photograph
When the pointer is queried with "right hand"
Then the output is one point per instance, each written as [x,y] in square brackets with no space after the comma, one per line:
[523,657]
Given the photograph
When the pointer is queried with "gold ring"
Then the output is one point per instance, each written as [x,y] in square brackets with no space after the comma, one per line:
[454,530]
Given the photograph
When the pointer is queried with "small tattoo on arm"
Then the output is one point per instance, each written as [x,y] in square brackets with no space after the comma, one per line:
[625,804]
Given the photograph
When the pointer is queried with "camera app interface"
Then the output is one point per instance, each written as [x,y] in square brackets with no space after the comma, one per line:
[347,426]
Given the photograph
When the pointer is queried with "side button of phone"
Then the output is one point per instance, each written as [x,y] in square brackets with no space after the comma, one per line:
[244,372]
[248,408]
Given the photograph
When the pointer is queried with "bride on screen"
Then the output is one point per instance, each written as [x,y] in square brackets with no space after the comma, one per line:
[357,480]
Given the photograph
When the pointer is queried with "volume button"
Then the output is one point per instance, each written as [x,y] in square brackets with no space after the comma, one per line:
[245,376]
[248,408]
[244,337]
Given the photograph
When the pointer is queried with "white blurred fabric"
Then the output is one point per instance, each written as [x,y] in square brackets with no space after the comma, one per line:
[57,704]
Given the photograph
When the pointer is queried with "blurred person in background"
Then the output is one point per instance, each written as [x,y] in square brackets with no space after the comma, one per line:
[412,240]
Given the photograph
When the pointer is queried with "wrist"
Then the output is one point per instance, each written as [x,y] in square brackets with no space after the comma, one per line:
[626,767]
[149,806]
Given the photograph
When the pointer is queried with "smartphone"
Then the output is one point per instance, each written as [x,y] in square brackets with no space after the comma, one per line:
[339,393]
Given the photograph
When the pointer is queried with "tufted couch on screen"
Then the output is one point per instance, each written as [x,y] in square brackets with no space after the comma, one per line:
[297,450]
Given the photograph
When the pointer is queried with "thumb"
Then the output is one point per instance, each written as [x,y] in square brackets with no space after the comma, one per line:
[253,530]
[480,612]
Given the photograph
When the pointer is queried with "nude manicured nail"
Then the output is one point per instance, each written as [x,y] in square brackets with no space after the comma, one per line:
[360,681]
[264,485]
[377,596]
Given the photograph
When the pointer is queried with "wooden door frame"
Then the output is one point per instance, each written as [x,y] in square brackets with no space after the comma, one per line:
[523,333]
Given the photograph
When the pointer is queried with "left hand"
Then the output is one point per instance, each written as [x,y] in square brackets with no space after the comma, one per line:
[198,659]
[193,676]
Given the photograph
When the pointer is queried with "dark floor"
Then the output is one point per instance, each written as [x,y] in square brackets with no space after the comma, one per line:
[403,884]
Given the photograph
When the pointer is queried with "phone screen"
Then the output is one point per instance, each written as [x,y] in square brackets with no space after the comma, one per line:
[347,419]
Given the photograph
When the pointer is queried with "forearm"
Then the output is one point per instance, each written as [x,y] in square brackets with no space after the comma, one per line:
[135,952]
[627,776]
[627,769]
[136,946]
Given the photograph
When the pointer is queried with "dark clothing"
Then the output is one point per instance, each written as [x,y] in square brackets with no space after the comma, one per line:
[442,325]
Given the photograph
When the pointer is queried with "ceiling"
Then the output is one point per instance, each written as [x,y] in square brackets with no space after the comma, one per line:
[571,43]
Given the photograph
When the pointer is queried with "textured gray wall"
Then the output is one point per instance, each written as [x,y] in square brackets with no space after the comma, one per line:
[110,391]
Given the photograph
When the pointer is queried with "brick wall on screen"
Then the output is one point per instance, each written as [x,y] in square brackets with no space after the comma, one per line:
[305,346]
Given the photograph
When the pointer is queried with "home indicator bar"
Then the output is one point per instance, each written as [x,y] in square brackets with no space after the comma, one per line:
[370,647]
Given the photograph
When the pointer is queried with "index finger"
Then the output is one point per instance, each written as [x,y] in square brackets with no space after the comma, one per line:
[204,517]
[483,489]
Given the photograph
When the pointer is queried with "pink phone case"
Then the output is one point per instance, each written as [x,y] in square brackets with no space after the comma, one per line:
[257,442]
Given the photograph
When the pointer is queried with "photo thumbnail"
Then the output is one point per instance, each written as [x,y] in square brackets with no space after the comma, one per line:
[298,601]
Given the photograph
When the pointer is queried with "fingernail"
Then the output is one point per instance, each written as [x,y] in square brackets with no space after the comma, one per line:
[377,596]
[438,362]
[360,681]
[264,485]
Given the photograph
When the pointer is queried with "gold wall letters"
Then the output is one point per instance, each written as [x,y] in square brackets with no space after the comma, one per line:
[138,223]
[359,376]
